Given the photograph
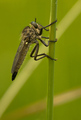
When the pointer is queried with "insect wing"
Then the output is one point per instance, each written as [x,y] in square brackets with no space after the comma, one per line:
[17,56]
[20,55]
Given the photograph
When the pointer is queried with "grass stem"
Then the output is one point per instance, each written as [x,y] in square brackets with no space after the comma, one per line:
[52,36]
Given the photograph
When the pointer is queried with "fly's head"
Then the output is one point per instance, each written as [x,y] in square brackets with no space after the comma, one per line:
[36,27]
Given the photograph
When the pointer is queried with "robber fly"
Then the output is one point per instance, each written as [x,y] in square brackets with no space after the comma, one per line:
[29,36]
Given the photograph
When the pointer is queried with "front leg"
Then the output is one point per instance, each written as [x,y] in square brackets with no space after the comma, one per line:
[49,24]
[46,27]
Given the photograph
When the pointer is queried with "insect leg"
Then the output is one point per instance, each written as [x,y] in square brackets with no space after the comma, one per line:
[53,40]
[48,42]
[49,24]
[43,27]
[44,55]
[35,49]
[42,41]
[45,37]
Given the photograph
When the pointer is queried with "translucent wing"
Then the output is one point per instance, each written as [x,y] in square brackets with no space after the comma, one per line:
[19,57]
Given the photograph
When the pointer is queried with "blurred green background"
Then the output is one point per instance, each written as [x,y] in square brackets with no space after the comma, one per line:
[14,16]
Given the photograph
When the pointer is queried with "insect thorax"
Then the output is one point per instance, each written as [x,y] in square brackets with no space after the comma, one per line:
[30,32]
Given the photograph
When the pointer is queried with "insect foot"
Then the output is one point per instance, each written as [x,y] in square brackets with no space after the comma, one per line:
[50,57]
[53,40]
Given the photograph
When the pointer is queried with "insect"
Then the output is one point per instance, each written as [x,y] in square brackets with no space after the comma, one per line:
[29,36]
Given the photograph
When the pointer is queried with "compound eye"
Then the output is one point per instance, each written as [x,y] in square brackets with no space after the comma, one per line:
[34,24]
